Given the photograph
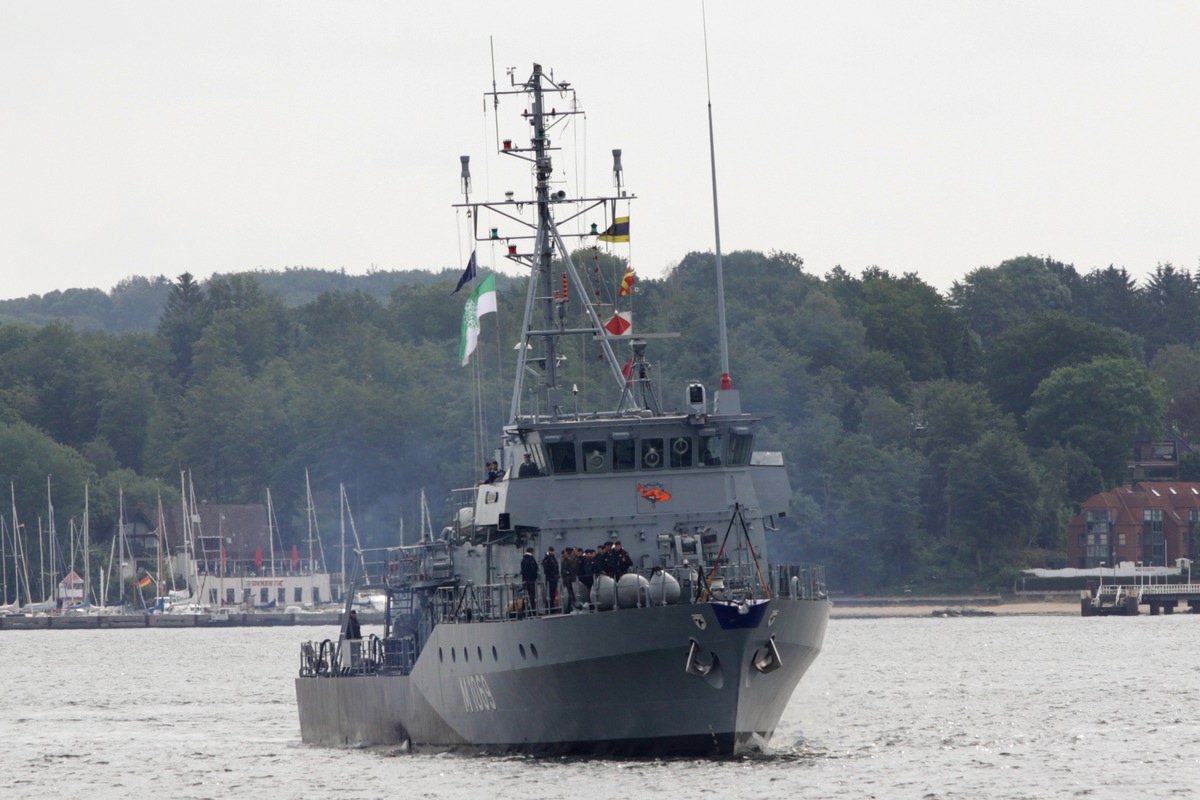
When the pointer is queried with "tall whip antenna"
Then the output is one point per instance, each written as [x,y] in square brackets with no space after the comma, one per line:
[726,381]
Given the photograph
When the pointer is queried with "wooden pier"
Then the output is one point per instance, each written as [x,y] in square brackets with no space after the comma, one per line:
[1115,599]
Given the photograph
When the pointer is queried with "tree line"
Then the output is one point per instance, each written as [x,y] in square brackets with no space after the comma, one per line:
[934,441]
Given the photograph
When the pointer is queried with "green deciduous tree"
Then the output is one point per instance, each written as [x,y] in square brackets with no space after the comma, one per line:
[1023,356]
[1098,407]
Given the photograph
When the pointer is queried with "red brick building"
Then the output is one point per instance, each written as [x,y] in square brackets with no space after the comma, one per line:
[1154,523]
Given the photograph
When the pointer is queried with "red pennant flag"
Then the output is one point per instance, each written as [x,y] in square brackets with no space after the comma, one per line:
[258,558]
[627,370]
[295,556]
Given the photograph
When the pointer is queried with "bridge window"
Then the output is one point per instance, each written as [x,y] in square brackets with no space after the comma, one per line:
[710,451]
[652,453]
[561,456]
[741,447]
[624,454]
[681,452]
[595,456]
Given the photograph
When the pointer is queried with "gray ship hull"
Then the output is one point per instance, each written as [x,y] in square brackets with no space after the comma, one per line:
[667,680]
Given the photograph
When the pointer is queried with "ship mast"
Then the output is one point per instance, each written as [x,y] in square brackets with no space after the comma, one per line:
[543,298]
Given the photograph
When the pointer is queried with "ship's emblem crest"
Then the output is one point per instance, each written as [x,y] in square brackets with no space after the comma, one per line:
[654,493]
[701,623]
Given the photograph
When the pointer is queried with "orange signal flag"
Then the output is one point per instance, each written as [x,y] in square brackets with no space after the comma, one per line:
[627,283]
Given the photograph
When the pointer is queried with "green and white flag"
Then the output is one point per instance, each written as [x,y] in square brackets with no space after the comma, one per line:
[482,301]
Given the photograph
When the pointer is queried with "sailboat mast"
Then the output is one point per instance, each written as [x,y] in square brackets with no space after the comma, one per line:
[342,513]
[271,532]
[87,550]
[311,563]
[19,545]
[4,563]
[121,540]
[52,539]
[161,540]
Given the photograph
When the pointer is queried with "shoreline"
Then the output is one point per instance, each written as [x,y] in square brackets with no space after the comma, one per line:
[952,607]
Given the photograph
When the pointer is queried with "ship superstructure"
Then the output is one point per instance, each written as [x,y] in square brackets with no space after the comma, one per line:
[697,638]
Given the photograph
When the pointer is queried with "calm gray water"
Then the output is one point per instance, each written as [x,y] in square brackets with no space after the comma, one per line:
[1018,707]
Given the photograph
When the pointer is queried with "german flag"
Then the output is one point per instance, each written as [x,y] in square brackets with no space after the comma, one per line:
[617,232]
[144,582]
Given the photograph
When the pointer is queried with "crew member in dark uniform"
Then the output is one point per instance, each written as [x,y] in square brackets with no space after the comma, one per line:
[528,468]
[353,630]
[529,574]
[622,562]
[569,557]
[608,564]
[550,570]
[585,570]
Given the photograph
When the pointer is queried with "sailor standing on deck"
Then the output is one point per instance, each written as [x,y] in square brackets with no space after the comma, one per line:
[584,569]
[550,570]
[529,574]
[570,554]
[622,563]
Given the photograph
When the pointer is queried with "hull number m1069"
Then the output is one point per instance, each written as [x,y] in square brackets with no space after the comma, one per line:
[477,695]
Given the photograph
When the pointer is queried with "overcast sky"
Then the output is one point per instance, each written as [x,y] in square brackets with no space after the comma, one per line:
[147,138]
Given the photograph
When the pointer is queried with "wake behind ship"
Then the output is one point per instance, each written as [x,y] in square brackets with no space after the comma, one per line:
[691,644]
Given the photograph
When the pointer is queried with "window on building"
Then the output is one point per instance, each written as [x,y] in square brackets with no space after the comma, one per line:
[299,594]
[282,595]
[1099,520]
[1154,546]
[264,595]
[1194,533]
[1098,550]
[316,596]
[230,597]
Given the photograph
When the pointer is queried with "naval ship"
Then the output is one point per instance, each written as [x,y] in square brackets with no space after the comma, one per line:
[694,650]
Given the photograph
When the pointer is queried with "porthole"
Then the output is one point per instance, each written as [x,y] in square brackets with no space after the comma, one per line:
[533,649]
[453,655]
[495,655]
[521,647]
[479,653]
[440,657]
[466,655]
